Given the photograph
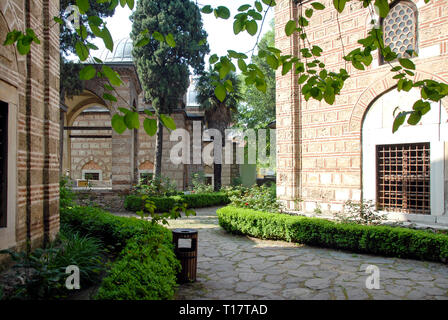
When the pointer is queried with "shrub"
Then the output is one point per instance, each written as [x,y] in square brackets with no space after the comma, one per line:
[163,204]
[66,194]
[157,187]
[256,197]
[361,213]
[146,267]
[381,240]
[199,186]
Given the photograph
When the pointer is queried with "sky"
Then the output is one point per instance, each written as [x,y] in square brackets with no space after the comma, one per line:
[220,32]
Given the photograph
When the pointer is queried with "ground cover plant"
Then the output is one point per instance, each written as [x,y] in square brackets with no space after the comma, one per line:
[42,273]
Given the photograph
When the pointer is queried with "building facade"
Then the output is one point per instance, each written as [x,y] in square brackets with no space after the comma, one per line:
[95,153]
[29,130]
[328,154]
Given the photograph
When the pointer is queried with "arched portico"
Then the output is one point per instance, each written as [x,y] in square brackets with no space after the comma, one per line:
[402,172]
[123,154]
[375,90]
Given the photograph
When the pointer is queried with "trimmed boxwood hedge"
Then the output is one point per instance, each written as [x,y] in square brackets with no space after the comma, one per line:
[146,267]
[163,204]
[380,240]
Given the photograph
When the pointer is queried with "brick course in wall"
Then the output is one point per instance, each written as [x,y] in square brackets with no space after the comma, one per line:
[319,145]
[30,86]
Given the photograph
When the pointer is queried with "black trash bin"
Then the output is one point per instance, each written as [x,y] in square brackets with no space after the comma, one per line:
[187,254]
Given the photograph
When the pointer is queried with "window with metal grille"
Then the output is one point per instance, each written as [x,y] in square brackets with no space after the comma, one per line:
[3,162]
[400,29]
[92,176]
[208,181]
[145,177]
[403,183]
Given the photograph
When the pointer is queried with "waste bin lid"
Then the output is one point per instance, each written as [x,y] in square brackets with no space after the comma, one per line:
[185,231]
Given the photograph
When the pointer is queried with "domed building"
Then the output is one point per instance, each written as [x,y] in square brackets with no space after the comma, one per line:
[122,53]
[95,156]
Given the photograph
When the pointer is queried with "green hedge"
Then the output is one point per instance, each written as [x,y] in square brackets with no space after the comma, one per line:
[380,240]
[163,204]
[146,267]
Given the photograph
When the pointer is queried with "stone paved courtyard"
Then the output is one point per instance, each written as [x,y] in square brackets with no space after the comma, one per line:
[239,267]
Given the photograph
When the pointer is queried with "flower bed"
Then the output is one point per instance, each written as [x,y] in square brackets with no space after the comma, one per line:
[380,240]
[163,204]
[146,266]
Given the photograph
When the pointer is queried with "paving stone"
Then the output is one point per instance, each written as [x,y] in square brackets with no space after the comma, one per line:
[257,291]
[269,253]
[356,293]
[397,290]
[263,266]
[239,267]
[278,258]
[318,283]
[254,261]
[296,293]
[433,291]
[312,262]
[407,283]
[271,286]
[244,286]
[419,276]
[250,276]
[326,274]
[321,296]
[338,294]
[300,275]
[416,294]
[274,279]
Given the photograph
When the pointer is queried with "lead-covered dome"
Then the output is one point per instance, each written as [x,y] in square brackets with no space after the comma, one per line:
[122,52]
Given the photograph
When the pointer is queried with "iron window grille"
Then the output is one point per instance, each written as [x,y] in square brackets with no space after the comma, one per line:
[403,178]
[146,177]
[92,176]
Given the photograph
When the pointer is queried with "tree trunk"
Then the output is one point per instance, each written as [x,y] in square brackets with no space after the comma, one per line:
[217,167]
[159,149]
[217,172]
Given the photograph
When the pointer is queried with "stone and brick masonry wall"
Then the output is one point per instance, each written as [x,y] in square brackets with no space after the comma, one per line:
[319,145]
[85,151]
[33,81]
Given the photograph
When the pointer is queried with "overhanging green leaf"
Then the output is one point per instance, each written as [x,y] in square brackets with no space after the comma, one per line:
[118,123]
[150,126]
[168,122]
[87,73]
[220,92]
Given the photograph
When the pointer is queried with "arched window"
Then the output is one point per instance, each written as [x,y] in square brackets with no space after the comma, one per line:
[92,171]
[400,28]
